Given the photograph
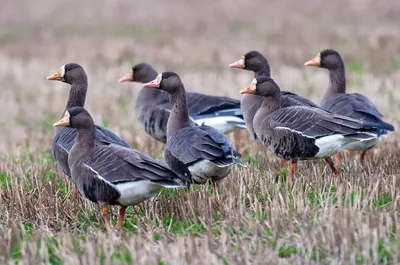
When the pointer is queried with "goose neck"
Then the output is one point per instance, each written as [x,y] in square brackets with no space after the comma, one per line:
[179,117]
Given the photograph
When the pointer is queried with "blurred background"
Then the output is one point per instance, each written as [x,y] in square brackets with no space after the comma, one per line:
[197,39]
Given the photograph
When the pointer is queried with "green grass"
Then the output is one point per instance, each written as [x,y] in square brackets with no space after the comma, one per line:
[12,35]
[5,180]
[47,123]
[105,123]
[132,32]
[396,63]
[355,67]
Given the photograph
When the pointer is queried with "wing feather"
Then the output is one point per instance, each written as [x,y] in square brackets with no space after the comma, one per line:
[313,122]
[205,143]
[116,164]
[64,140]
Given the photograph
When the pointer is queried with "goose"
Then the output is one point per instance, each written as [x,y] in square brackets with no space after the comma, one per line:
[256,62]
[153,107]
[353,105]
[112,174]
[201,153]
[302,132]
[64,137]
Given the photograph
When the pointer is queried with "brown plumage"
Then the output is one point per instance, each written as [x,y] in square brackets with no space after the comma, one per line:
[201,153]
[64,137]
[112,174]
[256,62]
[301,132]
[153,106]
[353,105]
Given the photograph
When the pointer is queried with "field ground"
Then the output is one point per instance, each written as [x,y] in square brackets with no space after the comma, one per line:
[254,217]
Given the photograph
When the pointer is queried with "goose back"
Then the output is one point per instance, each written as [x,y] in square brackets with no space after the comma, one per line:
[64,137]
[336,100]
[153,107]
[356,106]
[100,173]
[294,132]
[191,145]
[201,153]
[250,103]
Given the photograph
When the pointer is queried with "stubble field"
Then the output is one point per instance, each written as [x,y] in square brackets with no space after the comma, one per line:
[254,217]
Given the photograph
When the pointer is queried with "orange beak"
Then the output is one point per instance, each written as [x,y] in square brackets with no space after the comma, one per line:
[314,62]
[238,64]
[55,76]
[251,89]
[127,78]
[62,123]
[247,90]
[152,84]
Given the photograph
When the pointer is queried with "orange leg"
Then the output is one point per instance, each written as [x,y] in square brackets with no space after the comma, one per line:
[332,165]
[293,166]
[284,163]
[76,192]
[121,217]
[339,157]
[362,156]
[350,154]
[106,216]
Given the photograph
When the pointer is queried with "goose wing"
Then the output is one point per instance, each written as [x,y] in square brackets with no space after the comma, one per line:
[201,104]
[106,136]
[358,107]
[117,164]
[154,119]
[314,122]
[62,144]
[64,140]
[289,99]
[193,144]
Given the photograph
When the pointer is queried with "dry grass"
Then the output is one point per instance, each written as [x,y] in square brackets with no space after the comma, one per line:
[254,217]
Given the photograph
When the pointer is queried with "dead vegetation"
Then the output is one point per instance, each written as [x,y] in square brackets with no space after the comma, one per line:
[254,217]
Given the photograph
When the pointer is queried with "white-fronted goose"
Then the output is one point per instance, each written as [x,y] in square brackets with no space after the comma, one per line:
[353,105]
[64,137]
[256,62]
[302,132]
[153,107]
[201,153]
[112,174]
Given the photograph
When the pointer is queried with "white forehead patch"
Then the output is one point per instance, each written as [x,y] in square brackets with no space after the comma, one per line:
[159,78]
[254,82]
[66,117]
[62,72]
[242,60]
[318,57]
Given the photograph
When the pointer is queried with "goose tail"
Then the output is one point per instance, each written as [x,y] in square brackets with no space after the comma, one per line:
[362,136]
[239,163]
[168,184]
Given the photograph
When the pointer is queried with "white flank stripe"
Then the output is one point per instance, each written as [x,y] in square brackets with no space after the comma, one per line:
[99,176]
[224,124]
[64,148]
[289,129]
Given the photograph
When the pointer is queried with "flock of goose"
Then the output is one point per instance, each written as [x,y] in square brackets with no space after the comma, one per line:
[106,170]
